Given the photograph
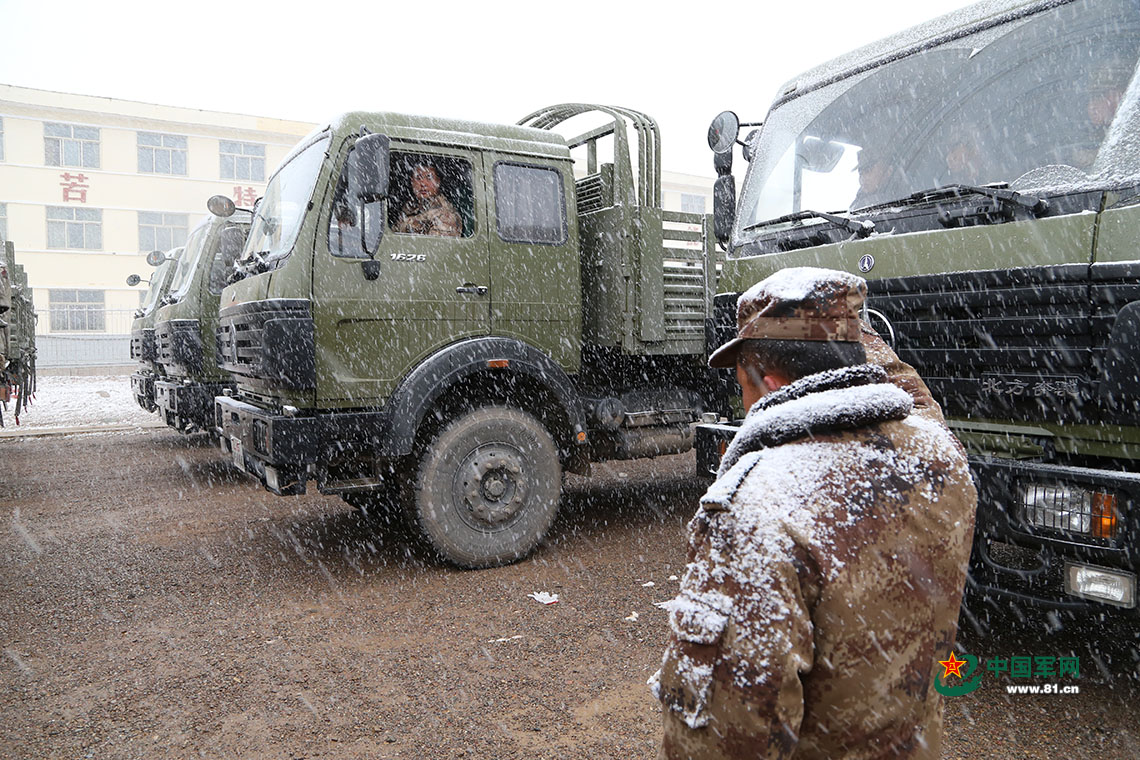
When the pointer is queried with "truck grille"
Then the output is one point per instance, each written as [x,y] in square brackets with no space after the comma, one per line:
[1000,343]
[269,340]
[178,345]
[143,346]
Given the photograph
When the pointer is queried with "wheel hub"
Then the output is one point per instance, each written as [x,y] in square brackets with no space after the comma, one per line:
[493,486]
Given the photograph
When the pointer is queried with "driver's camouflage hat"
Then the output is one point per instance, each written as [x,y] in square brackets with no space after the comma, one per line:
[799,303]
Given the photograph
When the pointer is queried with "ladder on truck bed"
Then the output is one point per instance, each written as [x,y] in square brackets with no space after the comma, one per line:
[648,274]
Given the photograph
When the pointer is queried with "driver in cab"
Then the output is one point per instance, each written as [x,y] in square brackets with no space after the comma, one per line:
[428,212]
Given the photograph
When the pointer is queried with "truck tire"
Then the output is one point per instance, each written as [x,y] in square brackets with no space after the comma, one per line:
[487,488]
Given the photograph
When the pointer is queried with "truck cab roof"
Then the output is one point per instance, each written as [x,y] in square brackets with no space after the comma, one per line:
[507,138]
[959,23]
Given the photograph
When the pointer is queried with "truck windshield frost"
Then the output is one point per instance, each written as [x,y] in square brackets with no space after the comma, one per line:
[280,213]
[1008,104]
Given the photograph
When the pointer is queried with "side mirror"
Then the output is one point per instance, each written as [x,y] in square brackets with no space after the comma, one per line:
[724,208]
[368,169]
[133,280]
[220,205]
[154,258]
[723,131]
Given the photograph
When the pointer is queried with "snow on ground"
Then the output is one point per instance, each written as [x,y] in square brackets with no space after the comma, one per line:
[75,401]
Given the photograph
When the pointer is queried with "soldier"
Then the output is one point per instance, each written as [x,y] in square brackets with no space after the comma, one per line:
[827,562]
[429,212]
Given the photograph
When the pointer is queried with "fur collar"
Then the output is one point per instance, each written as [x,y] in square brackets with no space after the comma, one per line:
[837,400]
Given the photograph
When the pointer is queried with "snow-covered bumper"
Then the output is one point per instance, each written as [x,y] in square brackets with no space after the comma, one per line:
[142,388]
[186,405]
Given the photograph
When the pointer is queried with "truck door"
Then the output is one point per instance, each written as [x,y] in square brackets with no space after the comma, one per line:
[535,285]
[431,286]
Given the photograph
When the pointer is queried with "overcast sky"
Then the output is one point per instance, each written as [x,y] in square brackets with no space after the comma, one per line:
[489,60]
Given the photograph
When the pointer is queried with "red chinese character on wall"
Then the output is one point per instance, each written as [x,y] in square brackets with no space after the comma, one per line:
[245,196]
[74,187]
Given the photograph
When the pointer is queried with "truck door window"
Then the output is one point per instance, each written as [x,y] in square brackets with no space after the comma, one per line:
[530,206]
[431,195]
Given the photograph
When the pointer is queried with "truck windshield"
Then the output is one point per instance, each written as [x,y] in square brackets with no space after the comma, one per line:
[158,281]
[277,220]
[1046,101]
[188,262]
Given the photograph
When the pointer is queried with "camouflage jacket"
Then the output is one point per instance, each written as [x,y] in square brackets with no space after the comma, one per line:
[430,216]
[826,567]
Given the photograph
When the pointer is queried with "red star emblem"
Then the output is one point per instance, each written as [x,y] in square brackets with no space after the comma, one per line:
[952,665]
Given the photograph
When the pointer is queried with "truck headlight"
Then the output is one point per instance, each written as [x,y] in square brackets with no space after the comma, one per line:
[1102,584]
[1070,509]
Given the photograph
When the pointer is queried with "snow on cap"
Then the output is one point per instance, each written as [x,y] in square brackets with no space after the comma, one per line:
[798,303]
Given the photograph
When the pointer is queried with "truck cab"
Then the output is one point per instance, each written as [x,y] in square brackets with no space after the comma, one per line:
[185,323]
[981,171]
[143,346]
[443,314]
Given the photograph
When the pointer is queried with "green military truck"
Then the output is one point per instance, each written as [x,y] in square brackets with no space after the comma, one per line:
[143,347]
[982,172]
[441,314]
[186,323]
[17,333]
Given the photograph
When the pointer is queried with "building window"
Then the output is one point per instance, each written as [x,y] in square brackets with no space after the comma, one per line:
[75,228]
[162,154]
[70,145]
[692,204]
[161,231]
[243,161]
[76,310]
[1,139]
[528,204]
[3,221]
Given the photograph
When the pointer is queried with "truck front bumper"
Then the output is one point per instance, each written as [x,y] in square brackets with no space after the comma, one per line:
[142,388]
[249,434]
[187,406]
[284,451]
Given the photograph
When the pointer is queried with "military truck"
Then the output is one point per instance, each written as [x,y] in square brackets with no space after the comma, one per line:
[982,172]
[186,320]
[143,346]
[440,314]
[17,334]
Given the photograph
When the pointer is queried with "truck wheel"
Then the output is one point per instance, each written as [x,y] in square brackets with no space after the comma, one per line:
[487,488]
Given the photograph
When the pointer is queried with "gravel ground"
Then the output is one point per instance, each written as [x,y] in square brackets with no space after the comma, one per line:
[158,604]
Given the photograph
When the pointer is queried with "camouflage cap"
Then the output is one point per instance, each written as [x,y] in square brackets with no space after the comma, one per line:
[798,303]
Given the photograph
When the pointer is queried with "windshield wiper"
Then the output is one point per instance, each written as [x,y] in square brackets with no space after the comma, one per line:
[1009,200]
[860,229]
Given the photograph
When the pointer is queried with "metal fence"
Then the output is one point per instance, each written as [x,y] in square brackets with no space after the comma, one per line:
[83,335]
